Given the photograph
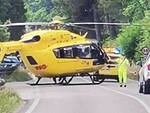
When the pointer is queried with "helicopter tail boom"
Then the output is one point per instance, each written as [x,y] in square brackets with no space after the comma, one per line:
[8,48]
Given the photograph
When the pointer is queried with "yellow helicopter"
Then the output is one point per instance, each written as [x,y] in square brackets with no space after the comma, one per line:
[56,54]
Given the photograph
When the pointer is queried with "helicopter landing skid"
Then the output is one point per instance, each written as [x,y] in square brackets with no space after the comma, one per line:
[55,80]
[60,80]
[39,78]
[95,79]
[65,80]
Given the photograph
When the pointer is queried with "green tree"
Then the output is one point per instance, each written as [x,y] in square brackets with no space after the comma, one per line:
[133,38]
[145,36]
[75,11]
[145,30]
[38,10]
[13,10]
[128,40]
[134,10]
[60,9]
[4,5]
[4,34]
[110,12]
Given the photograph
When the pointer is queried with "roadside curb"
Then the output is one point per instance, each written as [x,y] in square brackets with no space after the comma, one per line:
[133,80]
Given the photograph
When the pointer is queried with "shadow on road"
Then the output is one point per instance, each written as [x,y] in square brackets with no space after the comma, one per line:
[40,84]
[111,81]
[71,84]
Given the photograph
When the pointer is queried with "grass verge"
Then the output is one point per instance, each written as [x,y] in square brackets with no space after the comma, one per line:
[134,72]
[133,77]
[9,100]
[19,76]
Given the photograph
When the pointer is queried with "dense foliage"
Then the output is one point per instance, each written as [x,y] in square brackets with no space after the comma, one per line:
[128,40]
[38,10]
[133,38]
[4,34]
[12,10]
[133,11]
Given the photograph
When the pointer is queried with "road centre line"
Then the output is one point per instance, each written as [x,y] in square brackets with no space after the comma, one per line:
[124,94]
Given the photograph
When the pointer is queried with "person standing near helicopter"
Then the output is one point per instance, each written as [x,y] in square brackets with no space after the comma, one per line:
[123,65]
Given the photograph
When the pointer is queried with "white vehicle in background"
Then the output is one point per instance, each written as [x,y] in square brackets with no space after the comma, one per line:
[144,76]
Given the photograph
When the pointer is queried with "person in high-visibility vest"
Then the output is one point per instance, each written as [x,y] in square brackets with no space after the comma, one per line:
[123,64]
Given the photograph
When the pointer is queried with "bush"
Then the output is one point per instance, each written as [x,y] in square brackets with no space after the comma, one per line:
[9,101]
[18,75]
[110,42]
[128,40]
[133,38]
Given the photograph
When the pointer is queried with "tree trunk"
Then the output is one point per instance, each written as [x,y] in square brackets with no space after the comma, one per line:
[16,32]
[111,28]
[97,27]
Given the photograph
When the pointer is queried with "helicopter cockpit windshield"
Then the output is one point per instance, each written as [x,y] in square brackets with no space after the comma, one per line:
[83,51]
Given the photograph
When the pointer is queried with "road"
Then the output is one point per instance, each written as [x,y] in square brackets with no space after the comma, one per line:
[80,97]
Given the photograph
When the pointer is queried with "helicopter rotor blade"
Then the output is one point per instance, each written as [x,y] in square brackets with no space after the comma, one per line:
[82,27]
[71,24]
[104,23]
[99,23]
[24,24]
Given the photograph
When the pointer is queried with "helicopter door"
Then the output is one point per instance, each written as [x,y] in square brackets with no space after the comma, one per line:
[73,59]
[77,58]
[98,55]
[66,62]
[88,55]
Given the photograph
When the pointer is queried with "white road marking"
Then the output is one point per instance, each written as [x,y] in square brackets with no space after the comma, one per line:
[32,107]
[35,102]
[37,99]
[130,96]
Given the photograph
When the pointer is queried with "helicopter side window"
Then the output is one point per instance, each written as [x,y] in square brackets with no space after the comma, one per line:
[34,39]
[68,52]
[87,52]
[64,52]
[31,60]
[82,51]
[57,53]
[61,53]
[75,52]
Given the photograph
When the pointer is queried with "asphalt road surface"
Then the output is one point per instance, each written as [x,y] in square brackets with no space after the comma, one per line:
[81,97]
